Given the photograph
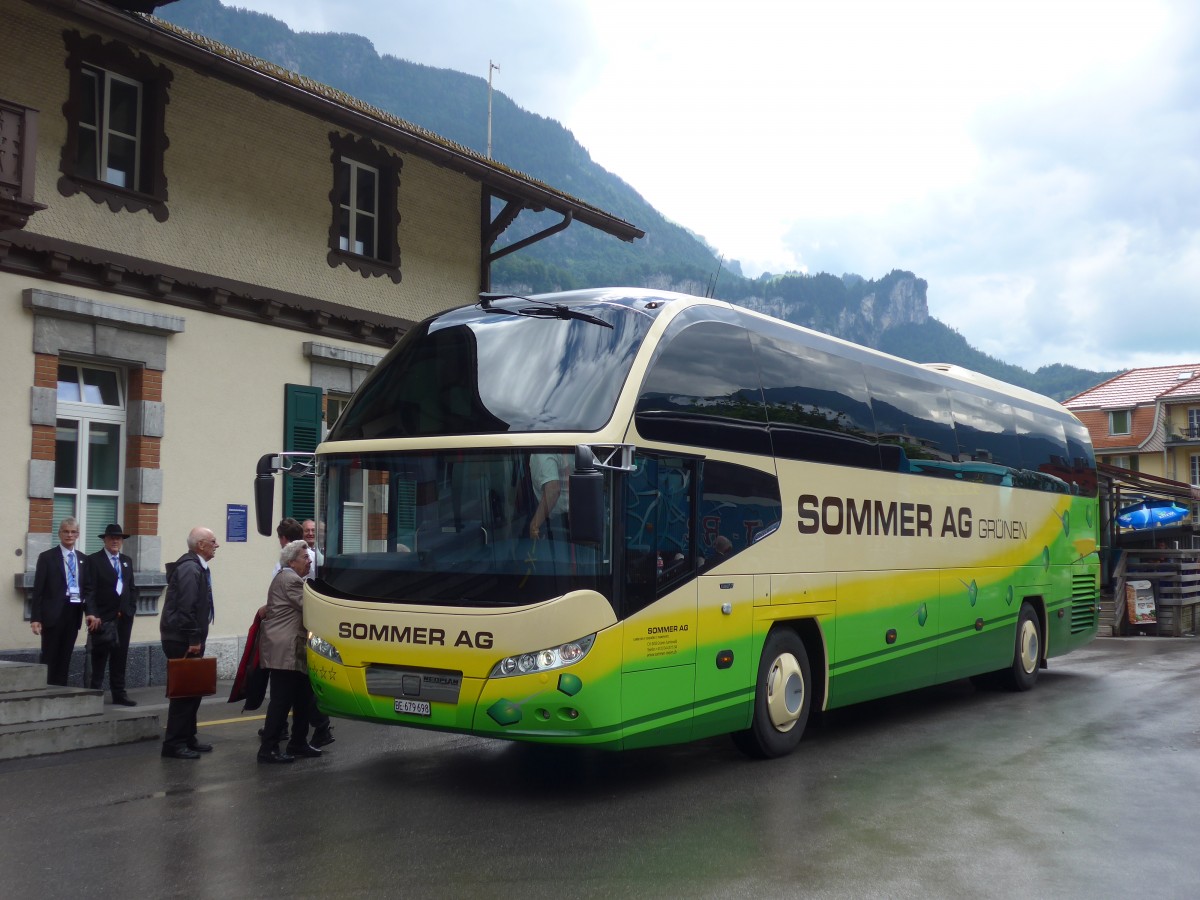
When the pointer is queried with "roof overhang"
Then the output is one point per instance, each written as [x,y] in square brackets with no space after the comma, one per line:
[330,105]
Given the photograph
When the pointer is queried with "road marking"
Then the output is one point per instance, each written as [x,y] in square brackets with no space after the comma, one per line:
[231,721]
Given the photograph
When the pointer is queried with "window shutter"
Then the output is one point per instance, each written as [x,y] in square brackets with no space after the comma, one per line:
[301,431]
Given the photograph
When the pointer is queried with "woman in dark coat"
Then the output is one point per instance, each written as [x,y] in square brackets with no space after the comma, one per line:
[282,640]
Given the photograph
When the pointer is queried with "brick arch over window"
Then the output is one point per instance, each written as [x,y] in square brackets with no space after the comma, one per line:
[88,329]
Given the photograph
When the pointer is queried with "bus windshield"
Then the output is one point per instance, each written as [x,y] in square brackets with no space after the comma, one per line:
[516,367]
[467,528]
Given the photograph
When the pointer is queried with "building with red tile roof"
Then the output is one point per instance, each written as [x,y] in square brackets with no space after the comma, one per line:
[1147,420]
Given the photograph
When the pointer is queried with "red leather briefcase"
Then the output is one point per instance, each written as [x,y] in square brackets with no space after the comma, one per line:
[191,676]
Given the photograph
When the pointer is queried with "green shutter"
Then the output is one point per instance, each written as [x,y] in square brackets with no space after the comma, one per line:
[301,431]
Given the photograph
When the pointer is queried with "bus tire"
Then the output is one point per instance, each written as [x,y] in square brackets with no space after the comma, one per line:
[782,698]
[1027,654]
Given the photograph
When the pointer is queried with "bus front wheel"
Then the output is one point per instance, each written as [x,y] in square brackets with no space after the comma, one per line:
[1027,654]
[782,698]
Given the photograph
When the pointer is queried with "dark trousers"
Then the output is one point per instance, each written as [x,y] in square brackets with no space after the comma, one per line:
[289,690]
[115,658]
[181,711]
[58,643]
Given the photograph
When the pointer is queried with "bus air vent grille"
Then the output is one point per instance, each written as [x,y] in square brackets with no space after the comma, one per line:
[1083,603]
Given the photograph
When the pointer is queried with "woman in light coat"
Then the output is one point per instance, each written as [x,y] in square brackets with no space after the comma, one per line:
[282,639]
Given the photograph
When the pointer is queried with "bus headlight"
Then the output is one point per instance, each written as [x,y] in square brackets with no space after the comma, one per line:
[323,648]
[541,660]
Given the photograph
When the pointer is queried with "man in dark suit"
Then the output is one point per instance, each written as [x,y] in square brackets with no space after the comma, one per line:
[112,597]
[183,627]
[59,592]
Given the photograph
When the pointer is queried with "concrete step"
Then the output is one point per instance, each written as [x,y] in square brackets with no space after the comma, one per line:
[19,676]
[49,703]
[114,726]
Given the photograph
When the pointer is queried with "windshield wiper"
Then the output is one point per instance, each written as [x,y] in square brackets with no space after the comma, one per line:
[545,311]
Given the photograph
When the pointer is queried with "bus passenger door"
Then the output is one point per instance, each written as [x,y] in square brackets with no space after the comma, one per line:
[659,667]
[724,667]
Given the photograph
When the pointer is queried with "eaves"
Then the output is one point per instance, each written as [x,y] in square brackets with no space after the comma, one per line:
[337,108]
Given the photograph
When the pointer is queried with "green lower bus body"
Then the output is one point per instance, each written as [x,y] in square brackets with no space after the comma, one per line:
[595,703]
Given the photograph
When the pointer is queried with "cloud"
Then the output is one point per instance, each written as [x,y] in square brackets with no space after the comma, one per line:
[1034,160]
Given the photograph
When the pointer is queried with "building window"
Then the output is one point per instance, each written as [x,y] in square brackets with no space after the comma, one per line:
[363,234]
[89,449]
[1193,425]
[358,228]
[1124,461]
[115,114]
[1118,422]
[335,405]
[1196,471]
[110,128]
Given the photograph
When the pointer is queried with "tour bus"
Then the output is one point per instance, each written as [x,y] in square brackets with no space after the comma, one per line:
[622,518]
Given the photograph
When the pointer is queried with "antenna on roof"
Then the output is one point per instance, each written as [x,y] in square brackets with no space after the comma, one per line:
[712,282]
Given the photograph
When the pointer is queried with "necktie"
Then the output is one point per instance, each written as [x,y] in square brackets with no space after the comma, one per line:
[72,576]
[116,564]
[212,613]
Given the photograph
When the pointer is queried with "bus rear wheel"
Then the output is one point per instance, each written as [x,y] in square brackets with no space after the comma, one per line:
[782,698]
[1027,654]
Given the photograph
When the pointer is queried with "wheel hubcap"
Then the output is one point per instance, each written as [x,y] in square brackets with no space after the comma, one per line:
[1029,647]
[785,692]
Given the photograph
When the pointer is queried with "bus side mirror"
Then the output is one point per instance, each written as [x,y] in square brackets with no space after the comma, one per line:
[264,494]
[586,499]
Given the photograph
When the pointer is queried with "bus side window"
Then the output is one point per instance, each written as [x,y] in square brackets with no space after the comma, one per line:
[703,390]
[1043,447]
[914,423]
[659,524]
[987,434]
[818,407]
[739,506]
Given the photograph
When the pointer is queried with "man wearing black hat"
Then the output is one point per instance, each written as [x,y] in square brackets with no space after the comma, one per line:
[112,598]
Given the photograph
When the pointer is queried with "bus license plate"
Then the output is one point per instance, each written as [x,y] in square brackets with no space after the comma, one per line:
[413,707]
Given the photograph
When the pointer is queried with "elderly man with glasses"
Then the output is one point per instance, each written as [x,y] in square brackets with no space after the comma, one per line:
[183,627]
[59,595]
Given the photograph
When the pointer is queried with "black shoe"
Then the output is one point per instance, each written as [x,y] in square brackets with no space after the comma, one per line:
[274,756]
[199,747]
[307,750]
[123,700]
[180,753]
[323,737]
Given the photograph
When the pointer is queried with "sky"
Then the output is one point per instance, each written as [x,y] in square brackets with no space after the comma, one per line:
[1037,163]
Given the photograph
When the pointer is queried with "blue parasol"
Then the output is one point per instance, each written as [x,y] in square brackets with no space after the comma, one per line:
[1147,515]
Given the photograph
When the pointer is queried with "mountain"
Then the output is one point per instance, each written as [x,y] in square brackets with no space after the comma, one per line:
[890,314]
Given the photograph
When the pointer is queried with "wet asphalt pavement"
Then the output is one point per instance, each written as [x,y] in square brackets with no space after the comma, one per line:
[1086,787]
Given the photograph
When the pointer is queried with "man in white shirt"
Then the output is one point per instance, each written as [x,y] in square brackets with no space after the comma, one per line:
[59,595]
[549,473]
[310,538]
